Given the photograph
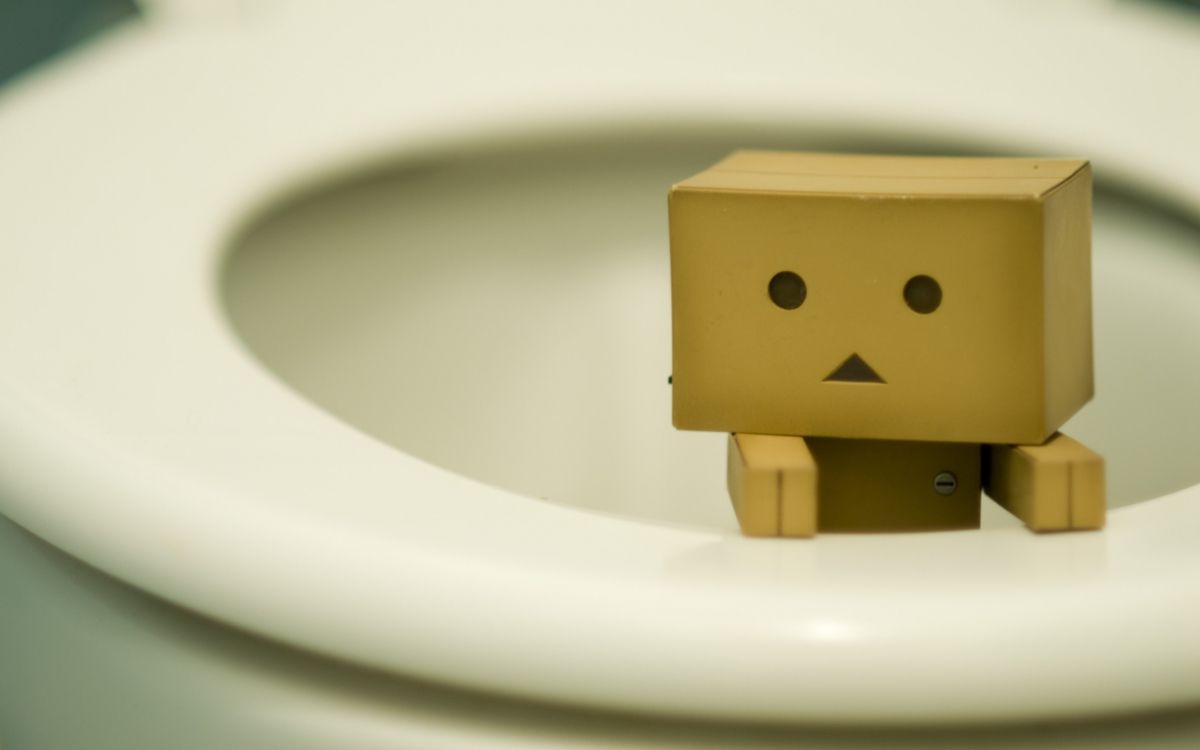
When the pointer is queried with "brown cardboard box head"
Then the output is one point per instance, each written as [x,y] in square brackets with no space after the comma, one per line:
[908,298]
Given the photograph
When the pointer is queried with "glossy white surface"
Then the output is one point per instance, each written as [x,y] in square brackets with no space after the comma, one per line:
[145,674]
[139,434]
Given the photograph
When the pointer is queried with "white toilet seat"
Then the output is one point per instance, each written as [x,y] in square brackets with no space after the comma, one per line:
[137,434]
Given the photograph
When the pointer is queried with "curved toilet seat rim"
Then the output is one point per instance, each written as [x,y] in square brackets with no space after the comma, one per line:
[506,581]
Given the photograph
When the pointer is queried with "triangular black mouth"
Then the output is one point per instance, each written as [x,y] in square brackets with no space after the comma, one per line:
[854,370]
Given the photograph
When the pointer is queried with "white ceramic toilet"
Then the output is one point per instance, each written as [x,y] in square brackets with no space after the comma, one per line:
[333,401]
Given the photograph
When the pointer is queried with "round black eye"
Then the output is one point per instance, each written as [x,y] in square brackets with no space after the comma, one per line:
[787,290]
[923,294]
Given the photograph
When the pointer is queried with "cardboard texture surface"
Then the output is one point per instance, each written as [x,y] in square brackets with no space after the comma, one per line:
[898,313]
[1006,357]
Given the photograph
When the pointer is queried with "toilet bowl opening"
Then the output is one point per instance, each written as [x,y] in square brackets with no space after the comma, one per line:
[504,312]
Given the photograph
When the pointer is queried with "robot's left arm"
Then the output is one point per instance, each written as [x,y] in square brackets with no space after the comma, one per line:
[1055,486]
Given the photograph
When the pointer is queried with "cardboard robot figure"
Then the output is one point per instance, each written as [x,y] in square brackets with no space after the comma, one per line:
[883,337]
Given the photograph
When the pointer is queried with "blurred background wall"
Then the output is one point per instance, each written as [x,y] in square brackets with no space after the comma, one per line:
[33,30]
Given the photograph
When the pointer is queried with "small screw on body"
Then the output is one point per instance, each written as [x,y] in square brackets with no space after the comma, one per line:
[945,483]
